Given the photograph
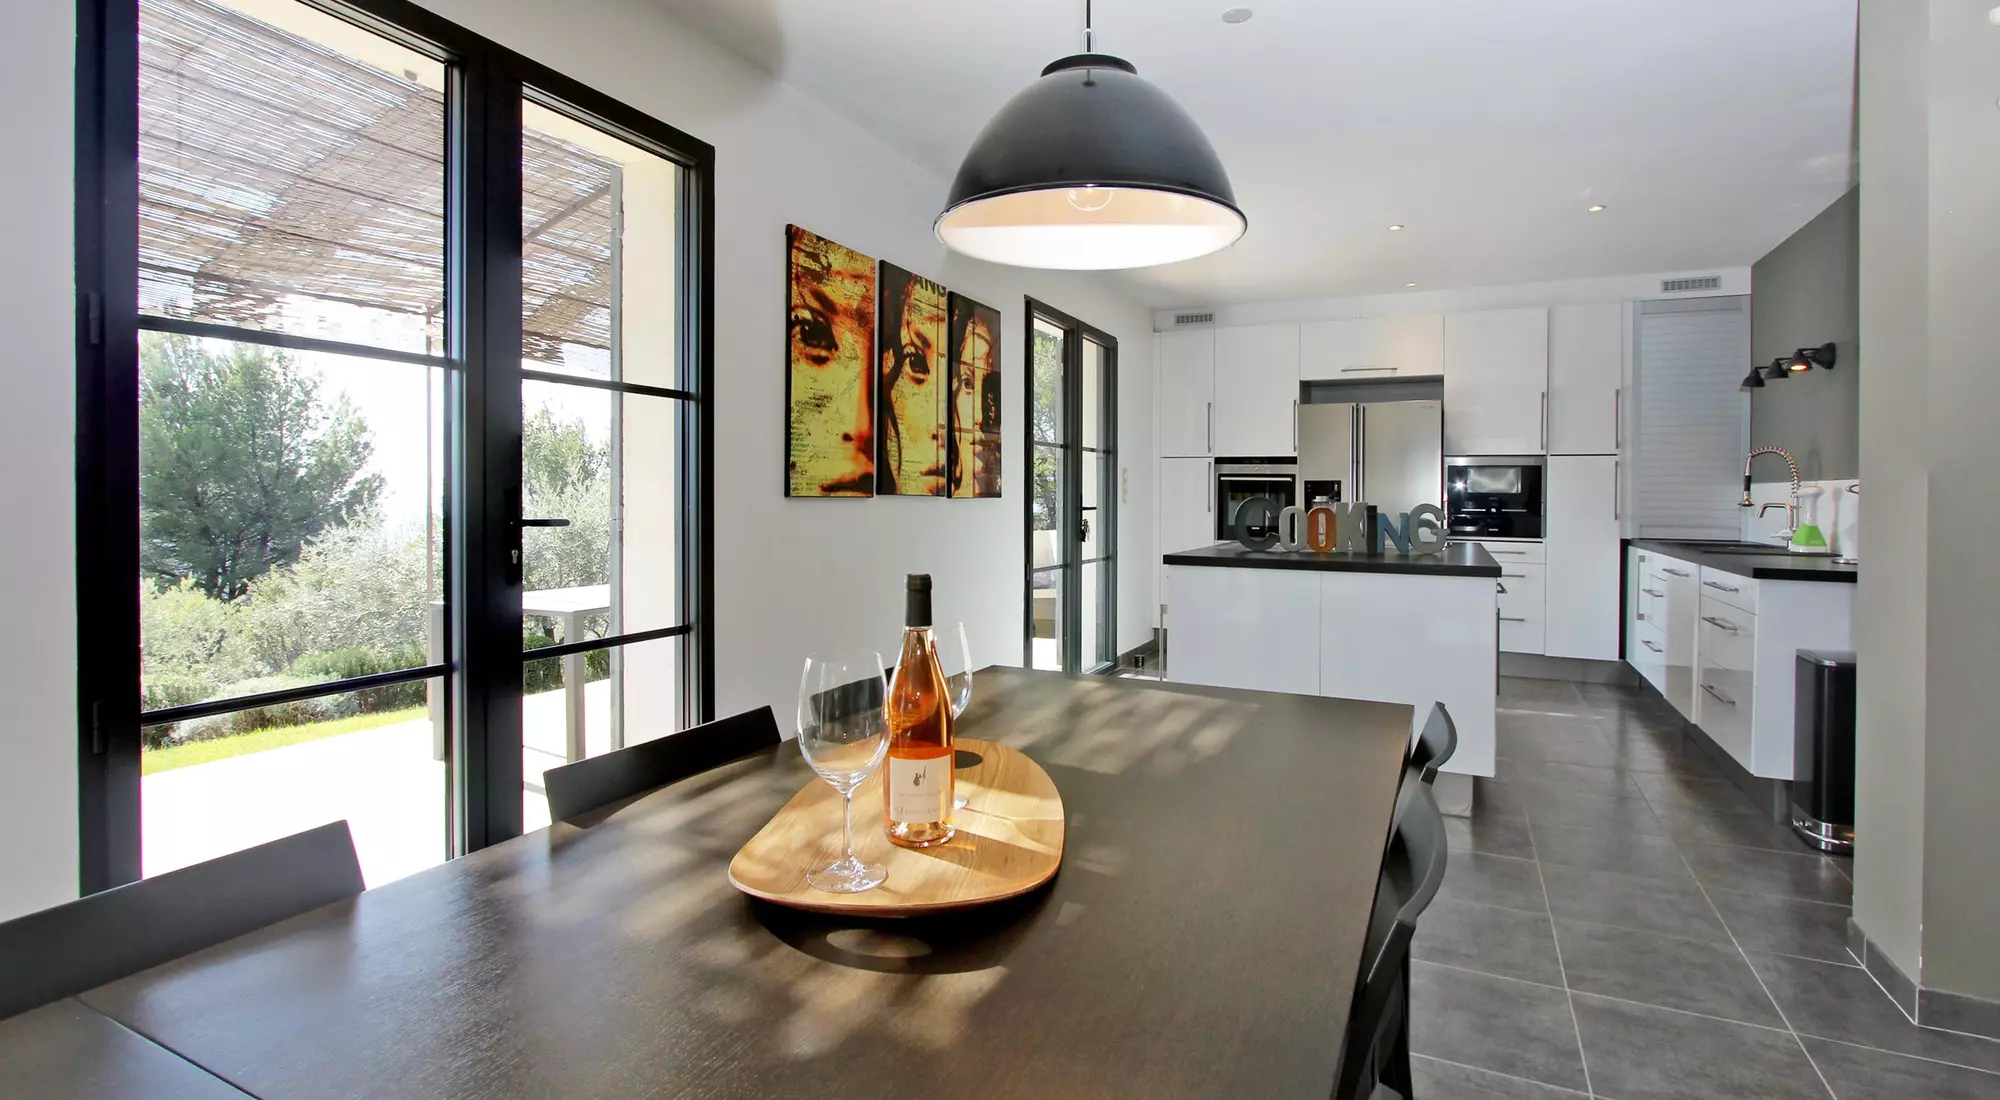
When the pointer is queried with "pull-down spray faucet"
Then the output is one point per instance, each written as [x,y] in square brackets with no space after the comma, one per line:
[1792,509]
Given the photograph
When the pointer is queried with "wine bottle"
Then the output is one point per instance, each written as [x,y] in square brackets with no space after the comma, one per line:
[917,788]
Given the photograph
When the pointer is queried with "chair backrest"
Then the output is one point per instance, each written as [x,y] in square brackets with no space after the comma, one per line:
[576,789]
[1412,871]
[85,943]
[1436,744]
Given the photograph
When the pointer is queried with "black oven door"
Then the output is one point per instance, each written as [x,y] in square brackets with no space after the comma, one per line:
[1234,489]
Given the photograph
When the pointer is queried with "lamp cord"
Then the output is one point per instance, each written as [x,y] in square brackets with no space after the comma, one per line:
[1088,40]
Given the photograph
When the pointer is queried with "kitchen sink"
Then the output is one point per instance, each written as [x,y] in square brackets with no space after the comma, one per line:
[1720,547]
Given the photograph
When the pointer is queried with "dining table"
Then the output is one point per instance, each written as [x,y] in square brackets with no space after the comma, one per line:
[1201,939]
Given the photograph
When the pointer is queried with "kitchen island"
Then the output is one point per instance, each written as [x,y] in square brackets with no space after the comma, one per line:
[1395,628]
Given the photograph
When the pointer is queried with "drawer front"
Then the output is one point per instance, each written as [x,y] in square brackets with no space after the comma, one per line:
[1737,592]
[1511,553]
[1650,602]
[1659,569]
[1648,653]
[1723,686]
[1522,627]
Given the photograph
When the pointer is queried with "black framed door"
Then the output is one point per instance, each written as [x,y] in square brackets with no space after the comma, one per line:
[352,318]
[1072,508]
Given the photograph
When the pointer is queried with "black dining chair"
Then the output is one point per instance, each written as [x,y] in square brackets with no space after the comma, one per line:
[577,789]
[1375,1054]
[1436,744]
[82,944]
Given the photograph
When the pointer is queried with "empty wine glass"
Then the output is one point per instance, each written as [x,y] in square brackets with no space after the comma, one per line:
[955,660]
[843,734]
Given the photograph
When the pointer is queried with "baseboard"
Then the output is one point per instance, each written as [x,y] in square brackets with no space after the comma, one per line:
[1898,985]
[1534,666]
[1934,1008]
[1145,654]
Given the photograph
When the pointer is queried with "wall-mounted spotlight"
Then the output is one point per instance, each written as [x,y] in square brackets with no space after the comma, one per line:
[1775,371]
[1806,359]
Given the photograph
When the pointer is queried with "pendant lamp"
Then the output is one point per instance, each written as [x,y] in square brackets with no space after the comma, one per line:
[1090,168]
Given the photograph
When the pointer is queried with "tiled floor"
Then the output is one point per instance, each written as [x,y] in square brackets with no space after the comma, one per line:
[1618,920]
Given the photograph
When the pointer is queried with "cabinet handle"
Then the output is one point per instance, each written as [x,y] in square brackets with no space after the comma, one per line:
[1213,488]
[1653,593]
[1211,427]
[1512,553]
[1516,576]
[1718,696]
[1618,419]
[1617,490]
[1295,423]
[1713,621]
[1675,572]
[1721,587]
[1651,646]
[1511,619]
[1545,420]
[1501,585]
[1356,370]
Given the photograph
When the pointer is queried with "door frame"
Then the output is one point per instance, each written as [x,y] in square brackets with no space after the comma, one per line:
[1075,332]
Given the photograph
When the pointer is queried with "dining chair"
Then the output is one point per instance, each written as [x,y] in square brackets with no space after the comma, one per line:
[1436,744]
[1375,1055]
[595,782]
[82,944]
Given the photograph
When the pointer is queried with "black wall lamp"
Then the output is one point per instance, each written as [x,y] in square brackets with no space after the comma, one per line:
[1784,367]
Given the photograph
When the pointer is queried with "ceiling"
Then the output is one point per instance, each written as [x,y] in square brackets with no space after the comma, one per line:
[1711,129]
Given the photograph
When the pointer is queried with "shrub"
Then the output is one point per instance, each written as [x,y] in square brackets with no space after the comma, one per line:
[303,712]
[348,662]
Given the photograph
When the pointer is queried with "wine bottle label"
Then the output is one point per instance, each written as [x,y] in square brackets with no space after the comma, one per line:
[915,788]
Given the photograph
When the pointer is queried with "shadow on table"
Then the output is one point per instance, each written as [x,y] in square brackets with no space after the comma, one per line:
[949,943]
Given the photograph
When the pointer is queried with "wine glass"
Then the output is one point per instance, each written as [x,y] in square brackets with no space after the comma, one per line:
[955,659]
[843,734]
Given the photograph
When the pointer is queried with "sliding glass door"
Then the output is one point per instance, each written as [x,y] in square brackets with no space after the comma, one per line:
[1072,518]
[391,396]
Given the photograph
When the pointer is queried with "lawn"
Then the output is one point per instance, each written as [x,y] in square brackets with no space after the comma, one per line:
[221,748]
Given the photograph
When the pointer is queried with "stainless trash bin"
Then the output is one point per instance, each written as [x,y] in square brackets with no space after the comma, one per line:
[1823,750]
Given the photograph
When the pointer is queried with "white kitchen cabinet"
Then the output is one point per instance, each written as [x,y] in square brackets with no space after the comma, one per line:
[1586,378]
[1726,664]
[1496,382]
[1522,597]
[1645,617]
[1257,390]
[1187,504]
[1364,348]
[1581,614]
[1246,628]
[1683,614]
[1186,392]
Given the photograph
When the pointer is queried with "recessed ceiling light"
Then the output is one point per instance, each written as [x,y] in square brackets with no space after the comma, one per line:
[1597,209]
[1237,15]
[1409,284]
[1394,228]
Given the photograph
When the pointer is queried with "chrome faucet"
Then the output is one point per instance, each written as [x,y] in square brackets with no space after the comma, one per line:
[1792,509]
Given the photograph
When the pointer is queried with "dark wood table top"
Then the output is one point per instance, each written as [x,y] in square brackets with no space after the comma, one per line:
[66,1051]
[1201,939]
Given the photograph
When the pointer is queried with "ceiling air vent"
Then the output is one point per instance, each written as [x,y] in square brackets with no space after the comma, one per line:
[1194,318]
[1682,286]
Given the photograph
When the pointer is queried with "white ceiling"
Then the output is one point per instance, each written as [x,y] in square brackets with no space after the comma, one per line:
[1711,128]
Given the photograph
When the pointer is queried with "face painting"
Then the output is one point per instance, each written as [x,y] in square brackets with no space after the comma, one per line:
[975,400]
[830,447]
[910,448]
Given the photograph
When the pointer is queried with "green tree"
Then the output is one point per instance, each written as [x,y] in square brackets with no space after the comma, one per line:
[1047,416]
[565,474]
[240,462]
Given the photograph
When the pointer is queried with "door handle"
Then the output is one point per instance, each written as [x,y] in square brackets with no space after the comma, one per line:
[542,522]
[1718,696]
[1512,619]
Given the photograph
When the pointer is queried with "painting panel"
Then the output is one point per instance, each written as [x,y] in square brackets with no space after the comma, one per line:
[910,424]
[973,464]
[830,380]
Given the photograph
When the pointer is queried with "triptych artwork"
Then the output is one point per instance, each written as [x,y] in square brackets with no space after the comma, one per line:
[893,382]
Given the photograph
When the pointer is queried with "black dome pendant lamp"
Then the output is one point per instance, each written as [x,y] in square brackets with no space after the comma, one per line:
[1090,169]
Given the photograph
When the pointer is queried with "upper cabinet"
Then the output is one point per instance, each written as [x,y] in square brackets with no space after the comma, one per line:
[1186,389]
[1586,374]
[1372,348]
[1496,382]
[1256,390]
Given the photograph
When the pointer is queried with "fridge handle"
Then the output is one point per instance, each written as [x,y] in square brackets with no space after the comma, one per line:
[1360,454]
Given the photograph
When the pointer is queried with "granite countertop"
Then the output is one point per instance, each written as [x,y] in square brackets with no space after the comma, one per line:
[1458,560]
[1775,564]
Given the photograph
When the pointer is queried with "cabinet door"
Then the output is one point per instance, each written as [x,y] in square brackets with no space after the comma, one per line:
[1683,622]
[1186,390]
[1523,601]
[1496,382]
[1582,542]
[1187,504]
[1586,371]
[1410,346]
[1257,390]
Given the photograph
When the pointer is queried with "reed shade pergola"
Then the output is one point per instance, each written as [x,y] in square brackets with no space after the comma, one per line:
[274,168]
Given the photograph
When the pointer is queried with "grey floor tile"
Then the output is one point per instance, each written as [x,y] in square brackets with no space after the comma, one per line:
[1662,725]
[1708,794]
[1857,1073]
[1598,779]
[1489,831]
[1498,1024]
[1739,830]
[1489,939]
[1829,1001]
[1786,926]
[1642,755]
[1519,690]
[1498,797]
[1556,805]
[1494,880]
[1439,1080]
[1665,971]
[1647,905]
[1636,1052]
[1610,850]
[1752,871]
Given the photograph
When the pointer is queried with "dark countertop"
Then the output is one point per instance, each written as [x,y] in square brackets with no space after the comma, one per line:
[1777,565]
[1202,938]
[1458,560]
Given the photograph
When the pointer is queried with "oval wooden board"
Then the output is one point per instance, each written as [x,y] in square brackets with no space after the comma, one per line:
[1009,841]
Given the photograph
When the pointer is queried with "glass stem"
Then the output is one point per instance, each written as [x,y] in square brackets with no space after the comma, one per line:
[847,826]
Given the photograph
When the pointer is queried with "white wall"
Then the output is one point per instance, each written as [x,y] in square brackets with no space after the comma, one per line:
[37,491]
[791,575]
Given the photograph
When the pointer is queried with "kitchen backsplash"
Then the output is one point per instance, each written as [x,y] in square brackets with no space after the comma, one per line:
[1838,512]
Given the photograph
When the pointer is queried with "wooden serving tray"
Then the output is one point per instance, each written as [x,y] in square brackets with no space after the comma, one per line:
[1009,841]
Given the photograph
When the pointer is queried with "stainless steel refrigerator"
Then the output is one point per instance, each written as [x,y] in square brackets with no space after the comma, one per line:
[1386,453]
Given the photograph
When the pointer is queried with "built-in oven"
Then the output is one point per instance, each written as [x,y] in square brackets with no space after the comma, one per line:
[1241,480]
[1494,497]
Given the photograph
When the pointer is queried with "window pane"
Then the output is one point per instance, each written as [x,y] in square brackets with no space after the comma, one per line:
[1047,391]
[1046,590]
[1091,484]
[588,704]
[290,518]
[1090,633]
[373,758]
[1048,544]
[600,256]
[608,463]
[1095,431]
[291,174]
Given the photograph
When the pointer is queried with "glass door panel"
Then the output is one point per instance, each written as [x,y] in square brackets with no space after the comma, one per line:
[1072,515]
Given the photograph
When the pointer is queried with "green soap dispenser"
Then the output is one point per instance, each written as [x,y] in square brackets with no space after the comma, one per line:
[1807,538]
